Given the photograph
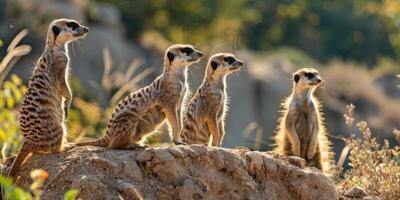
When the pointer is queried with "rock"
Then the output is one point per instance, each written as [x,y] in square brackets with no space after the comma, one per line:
[145,155]
[169,173]
[128,191]
[356,192]
[157,173]
[133,171]
[190,190]
[88,185]
[197,150]
[162,155]
[177,152]
[105,164]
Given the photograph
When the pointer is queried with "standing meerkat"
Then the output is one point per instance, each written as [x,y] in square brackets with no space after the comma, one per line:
[141,112]
[301,130]
[206,111]
[44,107]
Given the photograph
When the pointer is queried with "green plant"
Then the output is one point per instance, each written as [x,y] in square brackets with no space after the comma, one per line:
[38,177]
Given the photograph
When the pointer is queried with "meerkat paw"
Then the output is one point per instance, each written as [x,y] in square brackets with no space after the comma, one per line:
[135,147]
[177,142]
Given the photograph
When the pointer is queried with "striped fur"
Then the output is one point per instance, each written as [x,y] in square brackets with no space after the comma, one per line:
[205,115]
[302,115]
[45,104]
[142,111]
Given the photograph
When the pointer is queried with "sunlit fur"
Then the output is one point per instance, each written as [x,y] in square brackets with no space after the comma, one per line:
[141,112]
[302,117]
[206,112]
[45,105]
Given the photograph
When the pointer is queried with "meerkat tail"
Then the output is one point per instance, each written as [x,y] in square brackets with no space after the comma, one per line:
[22,155]
[102,142]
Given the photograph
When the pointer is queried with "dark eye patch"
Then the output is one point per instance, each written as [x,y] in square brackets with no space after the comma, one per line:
[214,65]
[187,50]
[73,25]
[229,59]
[56,31]
[309,75]
[170,56]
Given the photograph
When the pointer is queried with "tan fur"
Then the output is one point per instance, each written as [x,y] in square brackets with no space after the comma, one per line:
[45,105]
[301,130]
[205,114]
[141,112]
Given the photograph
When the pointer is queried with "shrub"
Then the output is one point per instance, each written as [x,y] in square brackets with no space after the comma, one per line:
[374,167]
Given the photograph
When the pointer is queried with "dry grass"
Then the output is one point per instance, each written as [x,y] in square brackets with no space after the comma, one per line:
[374,167]
[88,118]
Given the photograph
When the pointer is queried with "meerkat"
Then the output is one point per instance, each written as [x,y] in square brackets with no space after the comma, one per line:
[141,112]
[301,130]
[45,105]
[206,111]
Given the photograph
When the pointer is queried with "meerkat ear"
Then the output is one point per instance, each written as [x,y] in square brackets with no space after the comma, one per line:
[214,65]
[296,78]
[56,31]
[170,56]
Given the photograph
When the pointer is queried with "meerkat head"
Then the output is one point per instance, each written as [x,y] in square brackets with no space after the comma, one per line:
[179,55]
[63,31]
[307,78]
[222,64]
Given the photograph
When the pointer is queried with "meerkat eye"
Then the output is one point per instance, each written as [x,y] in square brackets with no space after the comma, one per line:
[187,50]
[73,25]
[229,60]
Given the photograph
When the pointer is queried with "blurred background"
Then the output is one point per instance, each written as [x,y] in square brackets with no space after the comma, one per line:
[355,44]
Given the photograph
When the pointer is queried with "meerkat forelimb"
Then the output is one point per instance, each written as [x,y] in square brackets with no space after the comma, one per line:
[141,112]
[205,114]
[44,107]
[301,131]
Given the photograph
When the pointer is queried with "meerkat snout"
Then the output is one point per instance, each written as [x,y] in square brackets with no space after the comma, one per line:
[237,64]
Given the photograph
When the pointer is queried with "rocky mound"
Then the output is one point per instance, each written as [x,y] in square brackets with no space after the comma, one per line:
[178,172]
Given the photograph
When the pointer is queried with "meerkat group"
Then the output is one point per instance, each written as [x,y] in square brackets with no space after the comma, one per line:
[45,105]
[141,112]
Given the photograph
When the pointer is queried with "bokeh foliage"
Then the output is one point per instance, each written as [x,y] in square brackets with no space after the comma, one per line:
[361,30]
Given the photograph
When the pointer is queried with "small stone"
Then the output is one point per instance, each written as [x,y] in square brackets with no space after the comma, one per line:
[128,191]
[356,192]
[297,161]
[145,155]
[198,150]
[170,172]
[162,155]
[87,185]
[177,152]
[106,164]
[133,171]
